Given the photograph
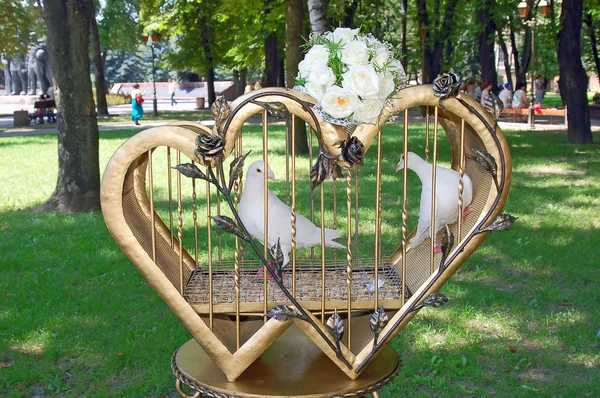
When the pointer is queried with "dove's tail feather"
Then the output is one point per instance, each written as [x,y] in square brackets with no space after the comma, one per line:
[330,235]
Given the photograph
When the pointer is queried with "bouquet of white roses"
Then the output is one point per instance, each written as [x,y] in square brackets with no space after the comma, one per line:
[351,75]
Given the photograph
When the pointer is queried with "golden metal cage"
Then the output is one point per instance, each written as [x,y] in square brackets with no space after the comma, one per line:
[339,299]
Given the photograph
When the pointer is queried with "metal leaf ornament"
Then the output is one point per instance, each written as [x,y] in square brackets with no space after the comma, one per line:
[335,326]
[378,322]
[434,300]
[190,170]
[228,225]
[494,105]
[275,109]
[503,222]
[322,169]
[353,152]
[488,163]
[283,313]
[209,147]
[220,110]
[277,256]
[446,85]
[447,245]
[235,168]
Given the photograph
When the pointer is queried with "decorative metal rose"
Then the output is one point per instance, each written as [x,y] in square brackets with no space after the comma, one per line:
[446,85]
[209,147]
[353,152]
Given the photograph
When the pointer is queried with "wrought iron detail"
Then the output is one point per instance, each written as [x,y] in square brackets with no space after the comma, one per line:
[434,300]
[324,168]
[377,323]
[447,245]
[353,152]
[503,222]
[446,85]
[284,313]
[228,225]
[209,147]
[487,163]
[221,110]
[275,109]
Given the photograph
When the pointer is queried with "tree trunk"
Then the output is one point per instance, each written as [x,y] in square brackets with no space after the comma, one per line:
[515,53]
[271,60]
[592,34]
[573,79]
[349,12]
[210,74]
[317,10]
[281,70]
[68,28]
[526,54]
[294,18]
[100,80]
[242,81]
[403,45]
[487,60]
[505,53]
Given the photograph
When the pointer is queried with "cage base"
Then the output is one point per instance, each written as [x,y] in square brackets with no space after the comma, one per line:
[292,367]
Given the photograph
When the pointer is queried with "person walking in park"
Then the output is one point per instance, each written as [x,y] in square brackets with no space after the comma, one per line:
[137,99]
[506,95]
[172,86]
[539,89]
[249,87]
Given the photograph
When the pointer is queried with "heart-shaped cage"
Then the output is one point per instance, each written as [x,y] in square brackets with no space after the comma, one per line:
[185,237]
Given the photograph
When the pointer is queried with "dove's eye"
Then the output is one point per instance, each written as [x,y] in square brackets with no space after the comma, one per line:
[259,170]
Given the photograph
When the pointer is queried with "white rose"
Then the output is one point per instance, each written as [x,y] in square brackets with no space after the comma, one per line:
[304,69]
[317,55]
[339,102]
[344,35]
[363,80]
[322,75]
[315,90]
[368,111]
[355,53]
[382,57]
[386,85]
[396,67]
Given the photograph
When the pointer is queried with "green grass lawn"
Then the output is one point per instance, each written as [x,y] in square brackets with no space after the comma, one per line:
[77,319]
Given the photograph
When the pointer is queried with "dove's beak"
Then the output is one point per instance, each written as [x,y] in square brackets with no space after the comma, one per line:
[400,166]
[271,176]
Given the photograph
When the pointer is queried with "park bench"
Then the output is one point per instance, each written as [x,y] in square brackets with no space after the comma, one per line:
[43,108]
[541,112]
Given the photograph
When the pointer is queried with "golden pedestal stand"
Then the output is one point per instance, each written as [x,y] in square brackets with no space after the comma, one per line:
[292,367]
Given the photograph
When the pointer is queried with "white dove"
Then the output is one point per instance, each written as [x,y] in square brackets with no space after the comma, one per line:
[251,212]
[446,197]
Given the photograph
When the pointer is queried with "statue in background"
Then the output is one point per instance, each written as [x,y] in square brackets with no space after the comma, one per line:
[31,68]
[7,75]
[18,72]
[42,67]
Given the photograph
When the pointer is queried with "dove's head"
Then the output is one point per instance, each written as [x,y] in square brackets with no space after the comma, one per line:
[257,170]
[412,157]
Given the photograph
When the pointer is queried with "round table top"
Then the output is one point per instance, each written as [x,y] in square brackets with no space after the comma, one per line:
[292,367]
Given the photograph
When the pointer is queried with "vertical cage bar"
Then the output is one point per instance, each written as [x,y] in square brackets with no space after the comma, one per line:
[334,189]
[378,220]
[323,252]
[427,133]
[265,122]
[355,216]
[293,216]
[152,220]
[219,236]
[288,133]
[236,188]
[404,205]
[195,217]
[349,255]
[170,181]
[210,249]
[461,172]
[240,190]
[312,196]
[180,225]
[433,226]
